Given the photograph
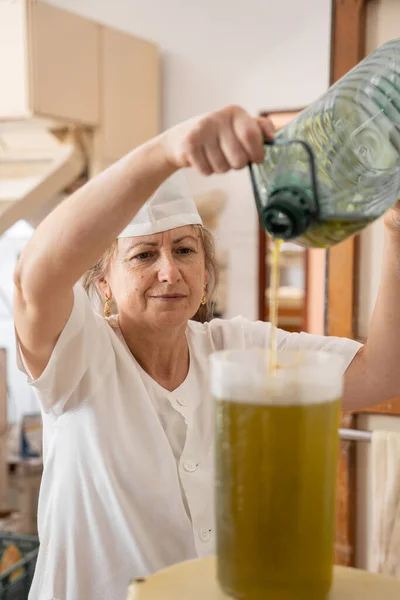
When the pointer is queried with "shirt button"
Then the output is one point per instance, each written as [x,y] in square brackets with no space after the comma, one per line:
[181,401]
[189,466]
[204,535]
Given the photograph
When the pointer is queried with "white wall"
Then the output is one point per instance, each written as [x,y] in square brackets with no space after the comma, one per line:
[257,53]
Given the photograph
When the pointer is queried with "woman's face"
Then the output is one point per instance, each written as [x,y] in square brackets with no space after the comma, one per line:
[158,280]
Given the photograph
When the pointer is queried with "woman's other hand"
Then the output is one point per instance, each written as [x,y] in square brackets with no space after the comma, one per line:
[392,218]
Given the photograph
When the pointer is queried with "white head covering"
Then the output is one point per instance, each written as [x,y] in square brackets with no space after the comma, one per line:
[170,206]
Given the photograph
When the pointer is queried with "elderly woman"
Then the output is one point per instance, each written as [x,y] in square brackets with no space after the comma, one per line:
[128,422]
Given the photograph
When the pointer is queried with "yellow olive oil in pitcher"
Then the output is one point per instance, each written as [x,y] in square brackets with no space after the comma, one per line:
[276,473]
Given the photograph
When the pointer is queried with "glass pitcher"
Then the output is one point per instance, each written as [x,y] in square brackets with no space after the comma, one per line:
[276,454]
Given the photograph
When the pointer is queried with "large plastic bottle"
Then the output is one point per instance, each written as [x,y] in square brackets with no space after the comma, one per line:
[336,166]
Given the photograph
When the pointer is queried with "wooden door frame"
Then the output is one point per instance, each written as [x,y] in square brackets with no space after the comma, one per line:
[347,49]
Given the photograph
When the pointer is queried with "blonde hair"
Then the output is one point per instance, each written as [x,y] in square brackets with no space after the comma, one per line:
[100,269]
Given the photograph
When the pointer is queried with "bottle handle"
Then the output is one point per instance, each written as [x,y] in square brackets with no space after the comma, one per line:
[315,212]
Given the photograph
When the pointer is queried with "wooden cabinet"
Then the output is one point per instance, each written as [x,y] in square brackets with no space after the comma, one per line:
[65,53]
[59,67]
[49,64]
[130,92]
[75,97]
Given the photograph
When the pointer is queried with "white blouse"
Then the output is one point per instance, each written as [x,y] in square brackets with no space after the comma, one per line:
[127,486]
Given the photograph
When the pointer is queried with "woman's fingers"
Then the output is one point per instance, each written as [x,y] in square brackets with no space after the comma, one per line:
[251,136]
[234,151]
[215,143]
[216,156]
[199,161]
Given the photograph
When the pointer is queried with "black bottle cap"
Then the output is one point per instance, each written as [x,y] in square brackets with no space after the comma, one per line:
[287,214]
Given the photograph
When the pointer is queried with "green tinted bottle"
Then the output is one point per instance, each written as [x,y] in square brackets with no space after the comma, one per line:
[336,167]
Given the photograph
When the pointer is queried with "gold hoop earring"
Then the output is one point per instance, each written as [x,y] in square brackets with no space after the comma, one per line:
[204,299]
[107,309]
